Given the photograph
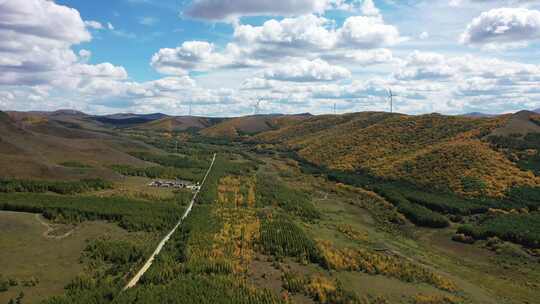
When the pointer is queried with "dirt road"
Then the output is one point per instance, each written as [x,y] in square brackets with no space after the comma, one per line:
[150,260]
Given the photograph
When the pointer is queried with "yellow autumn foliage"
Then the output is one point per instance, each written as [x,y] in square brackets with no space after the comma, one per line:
[436,299]
[319,287]
[352,233]
[430,150]
[353,259]
[235,241]
[236,191]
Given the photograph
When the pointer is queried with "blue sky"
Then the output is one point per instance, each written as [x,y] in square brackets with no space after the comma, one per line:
[447,56]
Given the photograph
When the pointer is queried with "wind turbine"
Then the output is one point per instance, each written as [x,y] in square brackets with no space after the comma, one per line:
[391,96]
[257,106]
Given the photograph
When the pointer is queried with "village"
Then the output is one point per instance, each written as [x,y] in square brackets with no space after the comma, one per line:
[178,184]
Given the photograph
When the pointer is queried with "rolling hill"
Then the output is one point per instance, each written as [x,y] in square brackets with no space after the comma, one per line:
[250,125]
[445,152]
[178,123]
[428,150]
[522,122]
[34,145]
[127,120]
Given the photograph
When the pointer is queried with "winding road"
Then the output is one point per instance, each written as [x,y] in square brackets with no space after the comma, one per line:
[150,260]
[50,229]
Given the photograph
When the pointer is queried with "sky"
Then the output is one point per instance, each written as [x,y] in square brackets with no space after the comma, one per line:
[225,57]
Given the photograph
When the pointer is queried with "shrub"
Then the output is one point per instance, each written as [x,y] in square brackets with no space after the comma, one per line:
[462,238]
[353,259]
[75,164]
[116,252]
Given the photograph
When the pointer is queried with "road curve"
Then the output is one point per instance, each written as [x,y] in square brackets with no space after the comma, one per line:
[150,260]
[46,234]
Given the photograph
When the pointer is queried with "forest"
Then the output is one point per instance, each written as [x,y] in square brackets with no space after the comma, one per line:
[60,187]
[191,174]
[273,192]
[435,209]
[133,215]
[522,229]
[281,237]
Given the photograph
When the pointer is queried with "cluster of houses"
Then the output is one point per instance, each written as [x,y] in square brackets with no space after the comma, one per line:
[179,184]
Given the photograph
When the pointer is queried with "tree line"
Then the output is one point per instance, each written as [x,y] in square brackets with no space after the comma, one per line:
[60,187]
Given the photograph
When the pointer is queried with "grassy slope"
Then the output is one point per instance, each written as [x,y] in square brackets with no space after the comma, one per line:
[430,150]
[34,146]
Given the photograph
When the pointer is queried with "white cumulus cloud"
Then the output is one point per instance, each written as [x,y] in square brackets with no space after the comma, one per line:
[498,27]
[308,71]
[227,9]
[191,55]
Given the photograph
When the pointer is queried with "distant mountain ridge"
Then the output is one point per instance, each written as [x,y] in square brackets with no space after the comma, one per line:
[478,114]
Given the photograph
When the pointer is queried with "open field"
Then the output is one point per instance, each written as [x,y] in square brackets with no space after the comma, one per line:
[26,254]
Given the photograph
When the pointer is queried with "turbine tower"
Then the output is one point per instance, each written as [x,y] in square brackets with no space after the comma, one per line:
[391,96]
[257,106]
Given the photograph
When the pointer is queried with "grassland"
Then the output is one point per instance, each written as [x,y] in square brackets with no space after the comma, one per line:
[26,254]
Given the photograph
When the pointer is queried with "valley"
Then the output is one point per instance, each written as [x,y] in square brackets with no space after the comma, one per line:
[364,208]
